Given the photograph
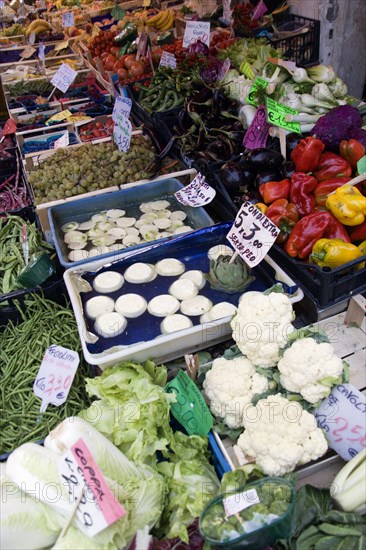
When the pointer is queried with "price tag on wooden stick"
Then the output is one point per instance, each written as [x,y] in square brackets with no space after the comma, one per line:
[276,113]
[27,52]
[68,19]
[259,84]
[168,60]
[122,134]
[98,508]
[196,30]
[55,375]
[252,234]
[197,193]
[361,165]
[122,108]
[257,133]
[64,77]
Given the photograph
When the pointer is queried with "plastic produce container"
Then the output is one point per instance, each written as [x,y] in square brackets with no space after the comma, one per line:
[270,490]
[145,343]
[298,38]
[126,199]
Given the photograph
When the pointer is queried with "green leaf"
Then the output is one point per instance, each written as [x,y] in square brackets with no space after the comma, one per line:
[308,539]
[277,288]
[231,481]
[325,543]
[310,504]
[336,530]
[223,430]
[344,518]
[118,13]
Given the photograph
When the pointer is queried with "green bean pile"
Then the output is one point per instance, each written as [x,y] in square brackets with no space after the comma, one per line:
[11,255]
[22,348]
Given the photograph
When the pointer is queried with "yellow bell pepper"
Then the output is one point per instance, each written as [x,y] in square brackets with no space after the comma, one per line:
[362,248]
[333,253]
[348,205]
[262,207]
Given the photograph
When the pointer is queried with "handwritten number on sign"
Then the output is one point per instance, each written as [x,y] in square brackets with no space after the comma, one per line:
[252,232]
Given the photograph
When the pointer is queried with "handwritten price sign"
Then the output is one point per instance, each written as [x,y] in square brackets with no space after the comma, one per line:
[64,77]
[342,416]
[252,234]
[98,507]
[257,133]
[276,113]
[259,84]
[68,19]
[196,30]
[122,108]
[122,134]
[168,60]
[55,375]
[197,193]
[63,141]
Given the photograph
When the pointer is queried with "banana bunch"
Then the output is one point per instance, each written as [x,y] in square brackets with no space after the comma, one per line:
[37,26]
[163,21]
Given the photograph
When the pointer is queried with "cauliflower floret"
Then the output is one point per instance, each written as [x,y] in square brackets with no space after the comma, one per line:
[230,386]
[283,436]
[261,326]
[310,369]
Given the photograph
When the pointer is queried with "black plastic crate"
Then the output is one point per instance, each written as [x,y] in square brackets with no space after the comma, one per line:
[302,47]
[326,286]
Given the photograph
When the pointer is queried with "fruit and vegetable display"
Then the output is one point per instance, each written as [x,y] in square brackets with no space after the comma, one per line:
[161,388]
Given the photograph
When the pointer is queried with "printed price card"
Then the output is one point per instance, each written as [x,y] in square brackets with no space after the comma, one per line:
[257,133]
[259,84]
[122,108]
[64,77]
[63,141]
[276,113]
[55,375]
[168,60]
[98,507]
[68,19]
[342,417]
[190,408]
[240,501]
[122,134]
[197,193]
[41,52]
[252,234]
[361,165]
[196,30]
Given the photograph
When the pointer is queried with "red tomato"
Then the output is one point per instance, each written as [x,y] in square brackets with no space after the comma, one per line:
[109,63]
[122,73]
[129,60]
[114,50]
[136,69]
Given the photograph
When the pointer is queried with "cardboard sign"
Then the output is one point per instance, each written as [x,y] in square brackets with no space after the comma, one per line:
[197,193]
[27,52]
[240,501]
[361,165]
[196,30]
[68,19]
[259,84]
[55,375]
[252,234]
[64,77]
[122,108]
[190,408]
[342,416]
[276,113]
[257,133]
[122,134]
[168,60]
[98,507]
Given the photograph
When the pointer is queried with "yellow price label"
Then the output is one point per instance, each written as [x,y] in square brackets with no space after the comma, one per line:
[146,3]
[58,117]
[61,45]
[79,118]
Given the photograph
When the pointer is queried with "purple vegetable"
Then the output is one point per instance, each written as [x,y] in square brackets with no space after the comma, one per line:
[196,542]
[337,125]
[210,71]
[198,48]
[359,134]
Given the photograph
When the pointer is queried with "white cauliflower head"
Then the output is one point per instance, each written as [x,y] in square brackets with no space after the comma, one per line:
[230,386]
[279,435]
[261,326]
[310,369]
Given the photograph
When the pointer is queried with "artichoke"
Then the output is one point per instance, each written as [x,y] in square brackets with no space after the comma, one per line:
[229,277]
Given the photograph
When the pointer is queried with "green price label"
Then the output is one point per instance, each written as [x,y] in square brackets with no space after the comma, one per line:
[361,165]
[276,113]
[118,13]
[259,84]
[190,408]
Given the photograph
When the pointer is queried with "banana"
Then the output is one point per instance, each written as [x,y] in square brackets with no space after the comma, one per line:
[31,27]
[160,23]
[156,19]
[168,24]
[40,28]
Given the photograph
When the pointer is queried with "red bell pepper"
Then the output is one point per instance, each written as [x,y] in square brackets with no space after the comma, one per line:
[332,166]
[301,189]
[274,190]
[352,151]
[358,232]
[284,214]
[311,228]
[307,153]
[325,187]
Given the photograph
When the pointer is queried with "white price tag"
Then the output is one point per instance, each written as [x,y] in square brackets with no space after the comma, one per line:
[168,60]
[64,77]
[63,141]
[68,19]
[41,49]
[289,65]
[122,108]
[122,134]
[98,507]
[32,38]
[2,4]
[55,375]
[227,11]
[342,416]
[252,234]
[27,52]
[197,193]
[196,30]
[240,501]
[224,69]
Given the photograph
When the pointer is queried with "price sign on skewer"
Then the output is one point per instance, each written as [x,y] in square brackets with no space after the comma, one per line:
[257,133]
[64,77]
[196,30]
[122,134]
[68,19]
[197,193]
[276,115]
[63,141]
[252,234]
[55,375]
[41,50]
[122,108]
[168,60]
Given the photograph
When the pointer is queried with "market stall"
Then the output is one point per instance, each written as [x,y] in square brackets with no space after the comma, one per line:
[182,280]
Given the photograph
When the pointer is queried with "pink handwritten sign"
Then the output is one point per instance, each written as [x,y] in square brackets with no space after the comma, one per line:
[257,133]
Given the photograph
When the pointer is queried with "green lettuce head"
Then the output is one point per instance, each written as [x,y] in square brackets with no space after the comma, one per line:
[229,277]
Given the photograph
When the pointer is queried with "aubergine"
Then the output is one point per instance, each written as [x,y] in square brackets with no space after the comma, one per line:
[232,177]
[249,171]
[264,158]
[291,141]
[288,169]
[267,175]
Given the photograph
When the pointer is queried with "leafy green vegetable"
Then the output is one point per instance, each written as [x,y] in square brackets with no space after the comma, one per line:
[231,481]
[254,51]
